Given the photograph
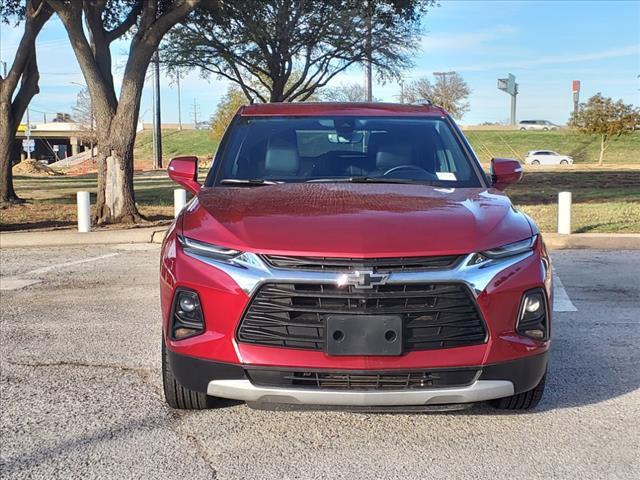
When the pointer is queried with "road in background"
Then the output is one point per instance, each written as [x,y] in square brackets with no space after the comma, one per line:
[81,392]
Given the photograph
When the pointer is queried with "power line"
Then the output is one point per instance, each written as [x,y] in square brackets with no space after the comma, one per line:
[195,113]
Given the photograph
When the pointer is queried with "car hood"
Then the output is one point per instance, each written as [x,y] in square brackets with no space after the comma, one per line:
[354,220]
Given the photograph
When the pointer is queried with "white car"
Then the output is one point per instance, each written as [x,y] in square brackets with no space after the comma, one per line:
[546,157]
[537,125]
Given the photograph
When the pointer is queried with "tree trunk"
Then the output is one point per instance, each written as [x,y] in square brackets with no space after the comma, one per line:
[603,147]
[7,138]
[115,202]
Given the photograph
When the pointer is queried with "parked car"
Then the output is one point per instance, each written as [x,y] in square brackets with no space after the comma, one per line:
[537,125]
[352,255]
[546,157]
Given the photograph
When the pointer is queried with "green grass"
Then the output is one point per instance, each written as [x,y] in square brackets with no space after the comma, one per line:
[583,148]
[175,143]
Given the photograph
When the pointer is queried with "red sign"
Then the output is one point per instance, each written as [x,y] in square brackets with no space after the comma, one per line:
[576,86]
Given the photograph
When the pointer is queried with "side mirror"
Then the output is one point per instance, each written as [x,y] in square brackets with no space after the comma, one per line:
[505,171]
[184,171]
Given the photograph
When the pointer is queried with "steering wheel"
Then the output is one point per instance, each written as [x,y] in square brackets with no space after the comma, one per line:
[414,168]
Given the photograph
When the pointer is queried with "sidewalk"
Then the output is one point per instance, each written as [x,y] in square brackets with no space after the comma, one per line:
[554,241]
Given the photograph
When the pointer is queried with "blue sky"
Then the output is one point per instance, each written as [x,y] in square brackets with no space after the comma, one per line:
[546,44]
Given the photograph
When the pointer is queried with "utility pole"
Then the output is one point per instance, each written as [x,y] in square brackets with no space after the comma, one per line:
[157,135]
[368,78]
[179,101]
[194,114]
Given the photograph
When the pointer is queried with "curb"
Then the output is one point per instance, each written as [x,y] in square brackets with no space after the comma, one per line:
[62,238]
[554,241]
[594,241]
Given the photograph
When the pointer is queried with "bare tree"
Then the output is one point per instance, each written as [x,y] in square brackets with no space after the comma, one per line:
[449,91]
[606,118]
[345,92]
[264,44]
[84,116]
[92,27]
[20,84]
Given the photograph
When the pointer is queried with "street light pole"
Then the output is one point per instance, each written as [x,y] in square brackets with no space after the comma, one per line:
[157,139]
[179,102]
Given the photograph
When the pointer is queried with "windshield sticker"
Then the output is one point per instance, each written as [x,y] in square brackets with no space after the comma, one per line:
[446,176]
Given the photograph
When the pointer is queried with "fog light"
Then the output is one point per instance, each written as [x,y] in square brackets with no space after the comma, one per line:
[187,304]
[187,318]
[532,317]
[532,304]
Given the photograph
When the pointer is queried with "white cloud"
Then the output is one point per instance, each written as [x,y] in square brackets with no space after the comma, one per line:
[553,59]
[465,41]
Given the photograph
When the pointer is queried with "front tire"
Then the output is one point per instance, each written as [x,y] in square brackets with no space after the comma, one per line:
[535,162]
[176,395]
[564,162]
[521,401]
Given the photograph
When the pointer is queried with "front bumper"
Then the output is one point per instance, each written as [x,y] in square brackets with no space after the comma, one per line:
[232,382]
[479,391]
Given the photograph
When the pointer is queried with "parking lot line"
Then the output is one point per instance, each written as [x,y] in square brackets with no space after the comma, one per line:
[39,271]
[17,282]
[561,300]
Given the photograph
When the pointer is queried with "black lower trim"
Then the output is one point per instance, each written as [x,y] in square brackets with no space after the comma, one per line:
[196,373]
[524,373]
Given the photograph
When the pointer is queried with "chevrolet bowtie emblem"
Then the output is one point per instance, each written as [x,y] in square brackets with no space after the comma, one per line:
[362,279]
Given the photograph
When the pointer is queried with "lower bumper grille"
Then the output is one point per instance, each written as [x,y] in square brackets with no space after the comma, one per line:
[434,315]
[363,381]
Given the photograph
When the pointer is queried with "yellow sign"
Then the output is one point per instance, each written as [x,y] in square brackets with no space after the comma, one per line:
[22,127]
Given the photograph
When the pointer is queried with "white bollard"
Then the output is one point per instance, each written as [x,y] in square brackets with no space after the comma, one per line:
[564,213]
[84,212]
[179,200]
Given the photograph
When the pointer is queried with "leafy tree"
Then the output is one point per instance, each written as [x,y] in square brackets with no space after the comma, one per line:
[92,27]
[449,91]
[84,116]
[20,84]
[227,107]
[263,42]
[606,118]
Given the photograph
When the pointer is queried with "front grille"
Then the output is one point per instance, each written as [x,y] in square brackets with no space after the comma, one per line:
[320,380]
[384,265]
[293,315]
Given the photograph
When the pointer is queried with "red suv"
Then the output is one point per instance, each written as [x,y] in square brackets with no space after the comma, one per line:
[352,255]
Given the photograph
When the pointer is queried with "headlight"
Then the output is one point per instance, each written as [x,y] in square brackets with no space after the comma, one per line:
[508,250]
[511,249]
[221,254]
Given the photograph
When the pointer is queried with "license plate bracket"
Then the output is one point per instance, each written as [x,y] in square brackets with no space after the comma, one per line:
[363,335]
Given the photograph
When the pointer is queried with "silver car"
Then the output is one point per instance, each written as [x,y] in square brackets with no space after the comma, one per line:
[546,157]
[537,125]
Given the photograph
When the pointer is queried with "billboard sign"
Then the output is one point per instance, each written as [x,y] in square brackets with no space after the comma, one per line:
[575,86]
[508,84]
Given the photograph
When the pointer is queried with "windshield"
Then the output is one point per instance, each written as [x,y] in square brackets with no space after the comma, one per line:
[261,151]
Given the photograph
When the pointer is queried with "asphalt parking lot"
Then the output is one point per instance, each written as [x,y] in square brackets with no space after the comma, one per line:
[81,390]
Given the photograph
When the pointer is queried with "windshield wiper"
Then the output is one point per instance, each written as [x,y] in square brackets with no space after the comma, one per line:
[367,180]
[250,182]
